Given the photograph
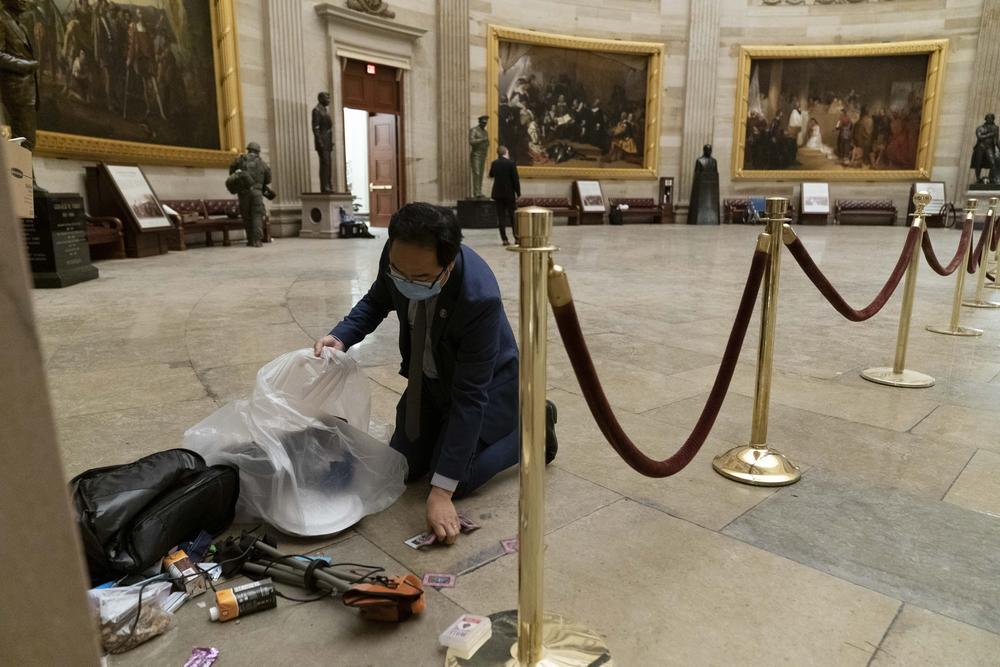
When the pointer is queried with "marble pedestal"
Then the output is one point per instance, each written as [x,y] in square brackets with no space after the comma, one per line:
[57,241]
[321,213]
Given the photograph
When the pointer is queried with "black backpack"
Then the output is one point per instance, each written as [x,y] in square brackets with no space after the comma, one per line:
[131,515]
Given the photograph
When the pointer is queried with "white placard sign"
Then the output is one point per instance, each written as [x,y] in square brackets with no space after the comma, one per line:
[591,197]
[936,188]
[139,197]
[815,197]
[21,178]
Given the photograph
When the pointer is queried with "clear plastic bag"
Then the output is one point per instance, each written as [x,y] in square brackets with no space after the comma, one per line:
[307,463]
[116,608]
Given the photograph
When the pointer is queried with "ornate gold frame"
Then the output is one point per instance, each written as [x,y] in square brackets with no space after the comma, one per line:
[936,49]
[653,50]
[230,108]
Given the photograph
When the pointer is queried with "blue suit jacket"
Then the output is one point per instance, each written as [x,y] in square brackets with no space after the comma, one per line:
[473,346]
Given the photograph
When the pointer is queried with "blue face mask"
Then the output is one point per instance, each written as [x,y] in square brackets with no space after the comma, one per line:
[414,290]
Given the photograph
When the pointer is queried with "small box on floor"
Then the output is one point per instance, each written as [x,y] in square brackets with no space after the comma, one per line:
[467,635]
[185,574]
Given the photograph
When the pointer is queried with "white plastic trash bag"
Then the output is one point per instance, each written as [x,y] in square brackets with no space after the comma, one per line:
[307,463]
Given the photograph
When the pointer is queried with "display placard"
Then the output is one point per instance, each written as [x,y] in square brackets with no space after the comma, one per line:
[591,197]
[938,199]
[138,195]
[816,198]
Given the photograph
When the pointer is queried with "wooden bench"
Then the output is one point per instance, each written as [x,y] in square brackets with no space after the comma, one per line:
[865,212]
[638,207]
[559,206]
[105,238]
[208,216]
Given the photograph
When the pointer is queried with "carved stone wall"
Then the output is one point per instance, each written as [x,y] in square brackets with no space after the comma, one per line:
[699,90]
[984,95]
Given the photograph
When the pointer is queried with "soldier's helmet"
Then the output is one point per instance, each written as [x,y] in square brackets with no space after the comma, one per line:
[253,147]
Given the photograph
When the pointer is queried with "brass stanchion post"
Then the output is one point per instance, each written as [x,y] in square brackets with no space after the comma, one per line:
[899,375]
[980,301]
[953,328]
[537,639]
[757,463]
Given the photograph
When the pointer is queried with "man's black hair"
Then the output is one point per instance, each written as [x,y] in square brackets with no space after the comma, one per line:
[429,226]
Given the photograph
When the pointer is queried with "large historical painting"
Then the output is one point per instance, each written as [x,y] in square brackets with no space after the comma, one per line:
[861,112]
[130,78]
[573,107]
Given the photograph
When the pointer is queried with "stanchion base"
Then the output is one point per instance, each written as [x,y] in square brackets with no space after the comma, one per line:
[958,331]
[566,645]
[885,375]
[758,465]
[981,304]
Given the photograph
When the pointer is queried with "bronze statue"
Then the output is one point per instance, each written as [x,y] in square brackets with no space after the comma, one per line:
[986,154]
[479,142]
[704,206]
[252,193]
[375,7]
[322,126]
[18,73]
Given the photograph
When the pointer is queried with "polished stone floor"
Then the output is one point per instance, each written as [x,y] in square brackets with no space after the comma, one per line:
[886,553]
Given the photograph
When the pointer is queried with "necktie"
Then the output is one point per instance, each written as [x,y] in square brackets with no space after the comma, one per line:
[414,388]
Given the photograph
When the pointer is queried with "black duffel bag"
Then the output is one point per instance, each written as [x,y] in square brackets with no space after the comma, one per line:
[131,515]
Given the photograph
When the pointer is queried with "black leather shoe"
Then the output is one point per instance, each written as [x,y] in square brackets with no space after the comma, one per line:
[551,443]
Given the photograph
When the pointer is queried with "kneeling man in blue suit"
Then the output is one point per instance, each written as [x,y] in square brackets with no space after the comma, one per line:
[457,418]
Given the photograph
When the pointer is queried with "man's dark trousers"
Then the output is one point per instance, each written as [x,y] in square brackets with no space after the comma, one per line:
[422,454]
[505,217]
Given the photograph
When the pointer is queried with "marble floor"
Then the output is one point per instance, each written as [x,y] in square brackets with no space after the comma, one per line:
[886,553]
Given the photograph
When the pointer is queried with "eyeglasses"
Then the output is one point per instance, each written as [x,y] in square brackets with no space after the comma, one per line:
[396,275]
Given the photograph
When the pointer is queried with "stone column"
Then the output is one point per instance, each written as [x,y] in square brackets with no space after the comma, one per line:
[291,135]
[984,95]
[453,99]
[699,90]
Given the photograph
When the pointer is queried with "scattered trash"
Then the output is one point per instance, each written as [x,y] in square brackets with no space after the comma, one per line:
[202,657]
[439,580]
[307,463]
[421,540]
[182,571]
[243,600]
[131,615]
[510,545]
[467,635]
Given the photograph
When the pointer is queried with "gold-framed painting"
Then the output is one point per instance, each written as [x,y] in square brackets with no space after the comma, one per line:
[574,107]
[142,81]
[855,112]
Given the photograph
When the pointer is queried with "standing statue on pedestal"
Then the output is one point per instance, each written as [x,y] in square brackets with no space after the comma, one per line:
[374,7]
[704,206]
[18,73]
[249,178]
[479,144]
[986,154]
[322,126]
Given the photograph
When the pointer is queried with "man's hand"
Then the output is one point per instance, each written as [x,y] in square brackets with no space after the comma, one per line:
[441,515]
[327,341]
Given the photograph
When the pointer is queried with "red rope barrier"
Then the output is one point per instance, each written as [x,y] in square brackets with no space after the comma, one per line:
[977,254]
[583,366]
[932,259]
[813,272]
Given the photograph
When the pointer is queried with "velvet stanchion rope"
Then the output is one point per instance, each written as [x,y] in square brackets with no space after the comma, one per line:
[813,272]
[932,259]
[583,366]
[977,254]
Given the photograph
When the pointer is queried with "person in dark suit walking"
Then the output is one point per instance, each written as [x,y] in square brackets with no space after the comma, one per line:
[458,418]
[506,190]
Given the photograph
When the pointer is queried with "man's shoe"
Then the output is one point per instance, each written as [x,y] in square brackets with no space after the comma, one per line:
[551,443]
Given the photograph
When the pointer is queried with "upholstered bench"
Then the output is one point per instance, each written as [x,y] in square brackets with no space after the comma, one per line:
[559,206]
[638,207]
[207,215]
[865,212]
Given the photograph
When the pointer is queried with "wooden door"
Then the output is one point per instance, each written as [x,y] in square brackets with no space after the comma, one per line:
[383,172]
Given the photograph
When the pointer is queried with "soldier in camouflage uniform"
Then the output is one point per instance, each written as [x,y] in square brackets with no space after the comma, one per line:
[252,198]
